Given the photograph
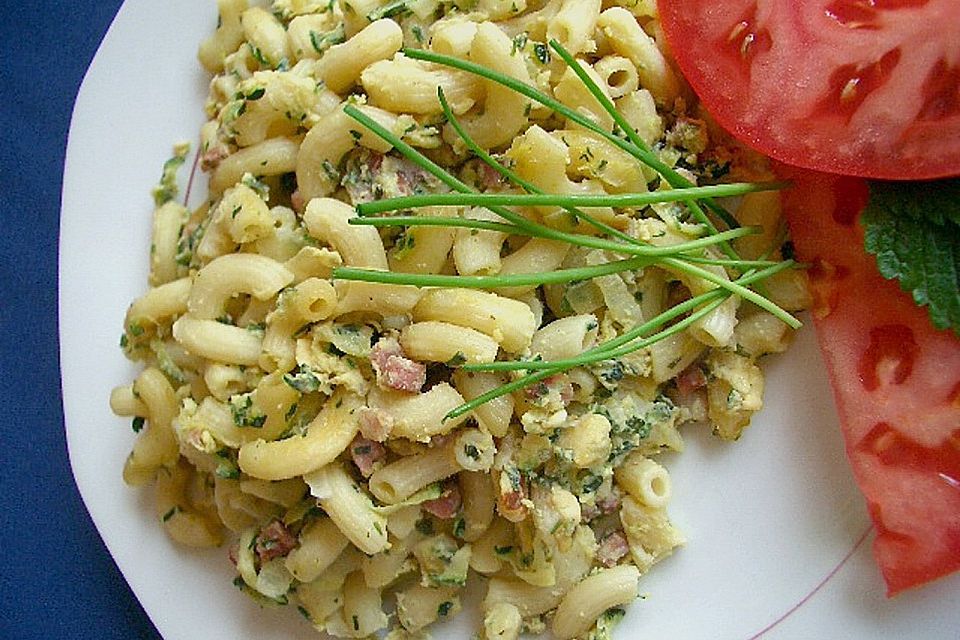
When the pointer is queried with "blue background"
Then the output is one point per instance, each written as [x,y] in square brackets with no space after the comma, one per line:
[57,579]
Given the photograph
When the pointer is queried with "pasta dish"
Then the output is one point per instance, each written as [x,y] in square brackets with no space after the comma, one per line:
[463,271]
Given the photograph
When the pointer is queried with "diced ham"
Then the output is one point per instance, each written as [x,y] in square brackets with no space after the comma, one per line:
[510,505]
[490,178]
[608,504]
[367,454]
[212,157]
[274,541]
[691,379]
[559,382]
[394,370]
[447,505]
[297,202]
[612,548]
[375,424]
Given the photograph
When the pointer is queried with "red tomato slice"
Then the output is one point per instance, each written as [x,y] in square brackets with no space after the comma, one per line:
[856,87]
[896,381]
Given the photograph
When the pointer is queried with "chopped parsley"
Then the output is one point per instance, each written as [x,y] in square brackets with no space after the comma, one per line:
[244,413]
[166,190]
[303,379]
[323,41]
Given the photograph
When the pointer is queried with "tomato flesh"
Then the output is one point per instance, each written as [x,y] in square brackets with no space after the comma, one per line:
[856,87]
[896,381]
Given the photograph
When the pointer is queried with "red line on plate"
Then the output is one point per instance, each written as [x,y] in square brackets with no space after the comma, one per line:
[193,172]
[817,588]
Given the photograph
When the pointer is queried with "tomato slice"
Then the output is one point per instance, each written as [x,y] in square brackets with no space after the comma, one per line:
[856,87]
[896,381]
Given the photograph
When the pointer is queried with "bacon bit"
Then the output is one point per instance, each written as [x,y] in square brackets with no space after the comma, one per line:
[447,505]
[691,392]
[297,201]
[234,553]
[212,157]
[691,379]
[536,391]
[608,504]
[490,177]
[510,506]
[612,548]
[588,512]
[366,454]
[274,541]
[374,161]
[561,382]
[394,370]
[375,424]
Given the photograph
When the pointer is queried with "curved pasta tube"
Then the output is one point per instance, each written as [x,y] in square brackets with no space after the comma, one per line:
[312,300]
[399,480]
[509,322]
[538,255]
[157,444]
[571,91]
[403,85]
[234,274]
[159,304]
[272,157]
[341,66]
[181,520]
[168,220]
[596,593]
[566,337]
[479,503]
[217,341]
[419,416]
[478,252]
[327,220]
[645,480]
[433,341]
[263,31]
[494,416]
[574,24]
[505,111]
[350,508]
[325,438]
[619,75]
[327,142]
[321,543]
[227,37]
[628,38]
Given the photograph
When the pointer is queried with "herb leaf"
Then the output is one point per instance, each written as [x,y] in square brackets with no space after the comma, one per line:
[913,229]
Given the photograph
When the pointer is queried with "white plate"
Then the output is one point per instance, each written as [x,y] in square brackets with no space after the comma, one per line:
[768,518]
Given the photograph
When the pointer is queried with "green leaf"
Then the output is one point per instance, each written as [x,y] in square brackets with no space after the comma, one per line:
[913,229]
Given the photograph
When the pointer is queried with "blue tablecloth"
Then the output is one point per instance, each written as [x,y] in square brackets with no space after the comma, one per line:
[57,579]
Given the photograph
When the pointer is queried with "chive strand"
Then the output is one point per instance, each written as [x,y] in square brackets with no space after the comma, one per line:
[733,287]
[490,282]
[439,221]
[540,199]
